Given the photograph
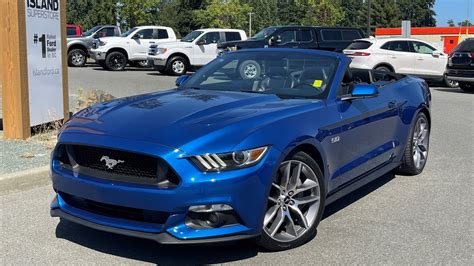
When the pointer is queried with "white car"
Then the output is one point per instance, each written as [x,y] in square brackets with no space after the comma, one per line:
[194,50]
[399,55]
[113,53]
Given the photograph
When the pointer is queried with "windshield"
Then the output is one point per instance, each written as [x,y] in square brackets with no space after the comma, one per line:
[91,31]
[264,33]
[285,74]
[192,36]
[128,32]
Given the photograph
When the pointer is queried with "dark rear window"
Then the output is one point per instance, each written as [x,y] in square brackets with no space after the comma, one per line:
[465,46]
[349,35]
[232,36]
[162,34]
[71,31]
[359,45]
[306,36]
[332,35]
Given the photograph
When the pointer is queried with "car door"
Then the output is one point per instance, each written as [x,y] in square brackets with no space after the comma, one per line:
[399,56]
[140,43]
[306,38]
[365,138]
[429,61]
[205,47]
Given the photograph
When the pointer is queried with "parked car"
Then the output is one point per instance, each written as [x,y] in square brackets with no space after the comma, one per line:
[114,53]
[194,50]
[306,37]
[461,65]
[73,30]
[400,55]
[229,156]
[79,47]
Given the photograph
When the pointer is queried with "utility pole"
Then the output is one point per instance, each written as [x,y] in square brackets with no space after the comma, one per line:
[250,24]
[369,11]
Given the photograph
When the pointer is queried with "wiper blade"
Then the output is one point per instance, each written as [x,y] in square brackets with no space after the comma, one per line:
[251,91]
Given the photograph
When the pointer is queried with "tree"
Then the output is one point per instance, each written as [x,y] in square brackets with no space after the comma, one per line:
[465,23]
[179,14]
[451,23]
[419,12]
[355,13]
[385,14]
[136,12]
[223,14]
[89,13]
[264,13]
[322,13]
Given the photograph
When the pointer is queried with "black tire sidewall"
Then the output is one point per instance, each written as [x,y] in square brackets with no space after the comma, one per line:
[169,68]
[408,166]
[447,84]
[383,68]
[267,242]
[109,56]
[70,55]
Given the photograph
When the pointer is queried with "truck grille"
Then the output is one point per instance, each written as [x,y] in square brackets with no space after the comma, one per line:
[105,163]
[153,50]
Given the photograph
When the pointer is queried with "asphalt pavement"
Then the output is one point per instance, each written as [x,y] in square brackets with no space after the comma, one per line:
[424,219]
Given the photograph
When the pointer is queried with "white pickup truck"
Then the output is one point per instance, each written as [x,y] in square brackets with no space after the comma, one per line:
[194,50]
[113,53]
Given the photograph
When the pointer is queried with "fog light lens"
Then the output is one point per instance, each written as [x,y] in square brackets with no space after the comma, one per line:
[211,216]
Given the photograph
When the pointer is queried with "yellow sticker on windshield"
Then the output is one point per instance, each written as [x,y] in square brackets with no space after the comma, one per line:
[317,83]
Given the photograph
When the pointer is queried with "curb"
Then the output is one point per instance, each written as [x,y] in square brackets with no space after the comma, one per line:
[34,171]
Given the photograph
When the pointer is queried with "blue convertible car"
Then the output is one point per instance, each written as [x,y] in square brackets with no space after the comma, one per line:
[253,145]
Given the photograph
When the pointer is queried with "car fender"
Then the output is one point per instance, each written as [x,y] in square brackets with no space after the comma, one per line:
[180,51]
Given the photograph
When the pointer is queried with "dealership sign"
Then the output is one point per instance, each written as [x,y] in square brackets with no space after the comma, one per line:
[43,41]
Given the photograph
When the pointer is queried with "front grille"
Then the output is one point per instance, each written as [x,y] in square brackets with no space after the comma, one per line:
[124,166]
[115,211]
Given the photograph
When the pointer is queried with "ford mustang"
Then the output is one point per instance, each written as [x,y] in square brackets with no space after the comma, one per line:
[253,145]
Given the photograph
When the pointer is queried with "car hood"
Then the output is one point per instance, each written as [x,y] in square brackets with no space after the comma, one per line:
[175,44]
[111,38]
[182,118]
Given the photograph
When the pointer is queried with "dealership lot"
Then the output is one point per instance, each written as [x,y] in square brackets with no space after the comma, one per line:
[397,219]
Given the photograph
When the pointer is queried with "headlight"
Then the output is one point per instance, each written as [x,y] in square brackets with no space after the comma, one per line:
[228,161]
[161,50]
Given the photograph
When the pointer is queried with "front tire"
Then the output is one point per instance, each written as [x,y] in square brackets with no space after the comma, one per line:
[76,58]
[115,61]
[177,66]
[450,83]
[295,204]
[467,87]
[416,149]
[383,68]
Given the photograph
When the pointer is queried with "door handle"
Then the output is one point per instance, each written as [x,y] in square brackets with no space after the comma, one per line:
[419,59]
[393,57]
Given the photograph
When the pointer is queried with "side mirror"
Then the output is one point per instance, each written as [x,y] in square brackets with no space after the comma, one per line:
[274,40]
[95,35]
[361,91]
[181,80]
[201,42]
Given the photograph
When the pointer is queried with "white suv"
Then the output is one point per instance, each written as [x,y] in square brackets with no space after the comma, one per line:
[113,53]
[399,55]
[194,50]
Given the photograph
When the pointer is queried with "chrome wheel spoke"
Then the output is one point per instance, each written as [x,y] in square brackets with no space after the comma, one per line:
[280,218]
[272,199]
[307,185]
[305,200]
[270,214]
[295,177]
[301,217]
[290,226]
[286,176]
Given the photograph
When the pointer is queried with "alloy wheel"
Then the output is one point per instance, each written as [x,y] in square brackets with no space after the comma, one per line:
[117,61]
[77,58]
[420,142]
[250,71]
[293,203]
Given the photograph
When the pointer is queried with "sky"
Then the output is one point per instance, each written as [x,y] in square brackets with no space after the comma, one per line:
[456,10]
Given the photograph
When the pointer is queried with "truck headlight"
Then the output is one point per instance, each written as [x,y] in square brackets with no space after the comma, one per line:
[211,162]
[161,50]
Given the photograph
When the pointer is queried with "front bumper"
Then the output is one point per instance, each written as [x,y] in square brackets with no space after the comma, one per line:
[98,55]
[156,60]
[245,190]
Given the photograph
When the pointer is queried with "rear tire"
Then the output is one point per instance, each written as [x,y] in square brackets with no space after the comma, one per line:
[383,68]
[115,61]
[466,86]
[417,147]
[76,58]
[294,210]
